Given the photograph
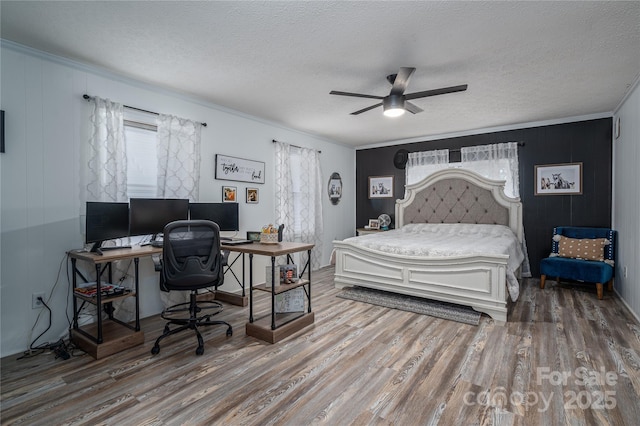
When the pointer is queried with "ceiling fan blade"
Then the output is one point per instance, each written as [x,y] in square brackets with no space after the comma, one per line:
[401,81]
[357,95]
[435,92]
[412,108]
[366,109]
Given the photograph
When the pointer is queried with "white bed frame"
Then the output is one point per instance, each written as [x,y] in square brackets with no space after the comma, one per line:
[476,281]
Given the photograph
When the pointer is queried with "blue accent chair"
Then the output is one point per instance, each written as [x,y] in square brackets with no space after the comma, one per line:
[590,271]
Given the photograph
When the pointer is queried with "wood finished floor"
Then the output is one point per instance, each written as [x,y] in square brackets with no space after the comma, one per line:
[358,364]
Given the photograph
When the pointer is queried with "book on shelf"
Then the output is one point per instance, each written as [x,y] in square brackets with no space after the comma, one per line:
[106,290]
[291,301]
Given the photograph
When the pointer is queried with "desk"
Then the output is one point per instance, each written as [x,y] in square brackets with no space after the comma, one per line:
[274,327]
[107,337]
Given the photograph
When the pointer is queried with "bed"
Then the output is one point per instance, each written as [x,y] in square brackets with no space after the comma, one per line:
[458,239]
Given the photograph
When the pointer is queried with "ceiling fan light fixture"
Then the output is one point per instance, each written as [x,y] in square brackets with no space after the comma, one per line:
[393,106]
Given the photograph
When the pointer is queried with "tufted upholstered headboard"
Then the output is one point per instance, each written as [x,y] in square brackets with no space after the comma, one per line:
[459,196]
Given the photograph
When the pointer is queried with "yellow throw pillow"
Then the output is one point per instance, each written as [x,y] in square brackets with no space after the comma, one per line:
[582,248]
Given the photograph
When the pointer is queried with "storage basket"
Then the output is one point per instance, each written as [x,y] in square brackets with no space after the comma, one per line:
[269,238]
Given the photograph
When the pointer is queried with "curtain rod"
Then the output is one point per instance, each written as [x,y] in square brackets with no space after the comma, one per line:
[296,146]
[88,98]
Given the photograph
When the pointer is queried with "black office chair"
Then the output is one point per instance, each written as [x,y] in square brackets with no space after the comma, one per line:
[191,260]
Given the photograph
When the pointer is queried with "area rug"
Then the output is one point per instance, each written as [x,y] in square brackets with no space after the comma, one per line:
[448,311]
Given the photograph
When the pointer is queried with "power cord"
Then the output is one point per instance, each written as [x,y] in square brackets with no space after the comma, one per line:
[59,347]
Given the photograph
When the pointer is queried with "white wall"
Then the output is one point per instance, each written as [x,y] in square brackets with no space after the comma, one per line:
[46,123]
[626,200]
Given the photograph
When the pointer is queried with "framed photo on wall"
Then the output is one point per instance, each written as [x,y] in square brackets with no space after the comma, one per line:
[380,186]
[229,194]
[252,195]
[558,179]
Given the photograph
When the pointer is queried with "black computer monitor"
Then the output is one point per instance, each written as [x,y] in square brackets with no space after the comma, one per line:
[148,216]
[224,214]
[106,221]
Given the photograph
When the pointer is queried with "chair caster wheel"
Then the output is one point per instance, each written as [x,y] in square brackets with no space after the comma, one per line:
[166,329]
[155,350]
[200,350]
[229,332]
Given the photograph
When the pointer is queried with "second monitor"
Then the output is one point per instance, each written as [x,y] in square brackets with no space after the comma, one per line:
[150,215]
[224,214]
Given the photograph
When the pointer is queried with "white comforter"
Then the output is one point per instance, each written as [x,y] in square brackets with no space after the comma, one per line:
[445,239]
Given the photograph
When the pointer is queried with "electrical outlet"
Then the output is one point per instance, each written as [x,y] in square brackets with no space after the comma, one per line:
[35,303]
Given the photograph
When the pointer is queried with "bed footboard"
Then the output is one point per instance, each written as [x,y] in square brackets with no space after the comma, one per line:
[476,281]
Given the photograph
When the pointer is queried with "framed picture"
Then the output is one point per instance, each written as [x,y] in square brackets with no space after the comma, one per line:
[559,179]
[374,224]
[335,188]
[239,169]
[229,194]
[252,195]
[253,235]
[380,186]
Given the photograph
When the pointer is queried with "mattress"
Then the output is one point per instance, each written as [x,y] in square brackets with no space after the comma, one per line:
[450,239]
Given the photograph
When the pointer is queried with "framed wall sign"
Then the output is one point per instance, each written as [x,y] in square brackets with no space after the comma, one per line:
[380,186]
[239,169]
[558,179]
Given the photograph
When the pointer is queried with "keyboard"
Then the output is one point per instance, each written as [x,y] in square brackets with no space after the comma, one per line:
[235,242]
[114,248]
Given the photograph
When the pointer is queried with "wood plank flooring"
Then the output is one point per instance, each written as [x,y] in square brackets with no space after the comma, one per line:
[564,357]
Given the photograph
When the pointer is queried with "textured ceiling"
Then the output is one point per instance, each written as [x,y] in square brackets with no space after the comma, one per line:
[523,61]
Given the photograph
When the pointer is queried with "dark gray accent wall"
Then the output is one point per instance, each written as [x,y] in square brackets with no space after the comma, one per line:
[588,142]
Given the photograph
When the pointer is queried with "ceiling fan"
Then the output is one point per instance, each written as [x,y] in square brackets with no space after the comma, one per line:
[396,102]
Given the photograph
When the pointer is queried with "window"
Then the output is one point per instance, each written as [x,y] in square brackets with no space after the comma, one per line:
[141,145]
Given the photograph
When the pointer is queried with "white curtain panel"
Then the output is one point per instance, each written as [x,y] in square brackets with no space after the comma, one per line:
[284,190]
[310,203]
[422,164]
[299,196]
[498,161]
[178,157]
[105,171]
[104,157]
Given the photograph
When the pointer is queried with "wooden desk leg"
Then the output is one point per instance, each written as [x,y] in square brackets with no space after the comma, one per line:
[250,287]
[309,275]
[243,293]
[273,292]
[74,281]
[136,261]
[99,303]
